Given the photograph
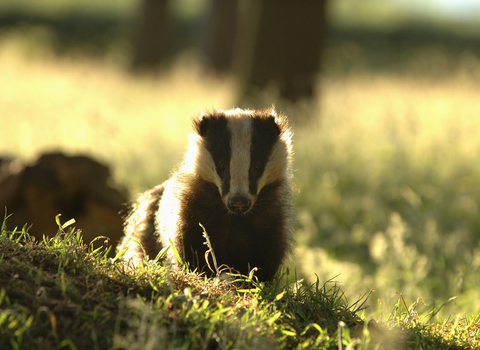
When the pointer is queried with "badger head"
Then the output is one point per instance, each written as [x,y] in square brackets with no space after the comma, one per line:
[240,151]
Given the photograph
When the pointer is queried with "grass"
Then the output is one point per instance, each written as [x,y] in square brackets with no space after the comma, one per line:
[387,177]
[83,106]
[391,190]
[57,293]
[60,294]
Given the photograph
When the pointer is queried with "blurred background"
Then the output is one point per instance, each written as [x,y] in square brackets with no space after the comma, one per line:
[96,101]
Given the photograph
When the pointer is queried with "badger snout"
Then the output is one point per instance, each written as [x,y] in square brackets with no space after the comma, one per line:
[239,204]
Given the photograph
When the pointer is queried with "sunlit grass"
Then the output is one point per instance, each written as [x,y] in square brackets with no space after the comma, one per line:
[387,170]
[58,292]
[389,181]
[137,124]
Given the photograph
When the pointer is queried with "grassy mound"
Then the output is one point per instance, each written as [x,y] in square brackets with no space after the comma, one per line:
[60,294]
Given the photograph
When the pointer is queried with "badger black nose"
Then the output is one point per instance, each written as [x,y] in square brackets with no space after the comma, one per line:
[239,204]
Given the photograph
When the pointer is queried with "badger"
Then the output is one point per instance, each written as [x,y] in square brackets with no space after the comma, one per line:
[236,181]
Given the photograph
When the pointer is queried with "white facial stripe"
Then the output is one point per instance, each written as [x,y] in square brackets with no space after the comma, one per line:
[200,162]
[276,166]
[241,131]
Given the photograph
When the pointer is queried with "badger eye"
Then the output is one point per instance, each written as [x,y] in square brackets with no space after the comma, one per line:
[222,168]
[257,166]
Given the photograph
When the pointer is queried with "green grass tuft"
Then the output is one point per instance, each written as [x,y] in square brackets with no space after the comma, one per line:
[59,293]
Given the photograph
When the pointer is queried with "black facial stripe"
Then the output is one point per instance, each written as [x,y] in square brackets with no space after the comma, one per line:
[265,134]
[213,128]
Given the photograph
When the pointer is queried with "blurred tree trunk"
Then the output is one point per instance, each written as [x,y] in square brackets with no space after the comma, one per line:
[153,38]
[285,47]
[223,23]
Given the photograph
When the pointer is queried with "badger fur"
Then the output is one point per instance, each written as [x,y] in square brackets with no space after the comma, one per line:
[236,181]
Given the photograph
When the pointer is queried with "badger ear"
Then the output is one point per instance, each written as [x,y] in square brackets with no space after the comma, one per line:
[268,122]
[204,123]
[272,124]
[281,122]
[201,123]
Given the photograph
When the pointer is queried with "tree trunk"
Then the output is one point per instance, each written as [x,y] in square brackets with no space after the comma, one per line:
[223,23]
[153,39]
[285,47]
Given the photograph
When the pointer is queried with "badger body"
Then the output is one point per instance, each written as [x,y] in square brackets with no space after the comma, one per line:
[236,181]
